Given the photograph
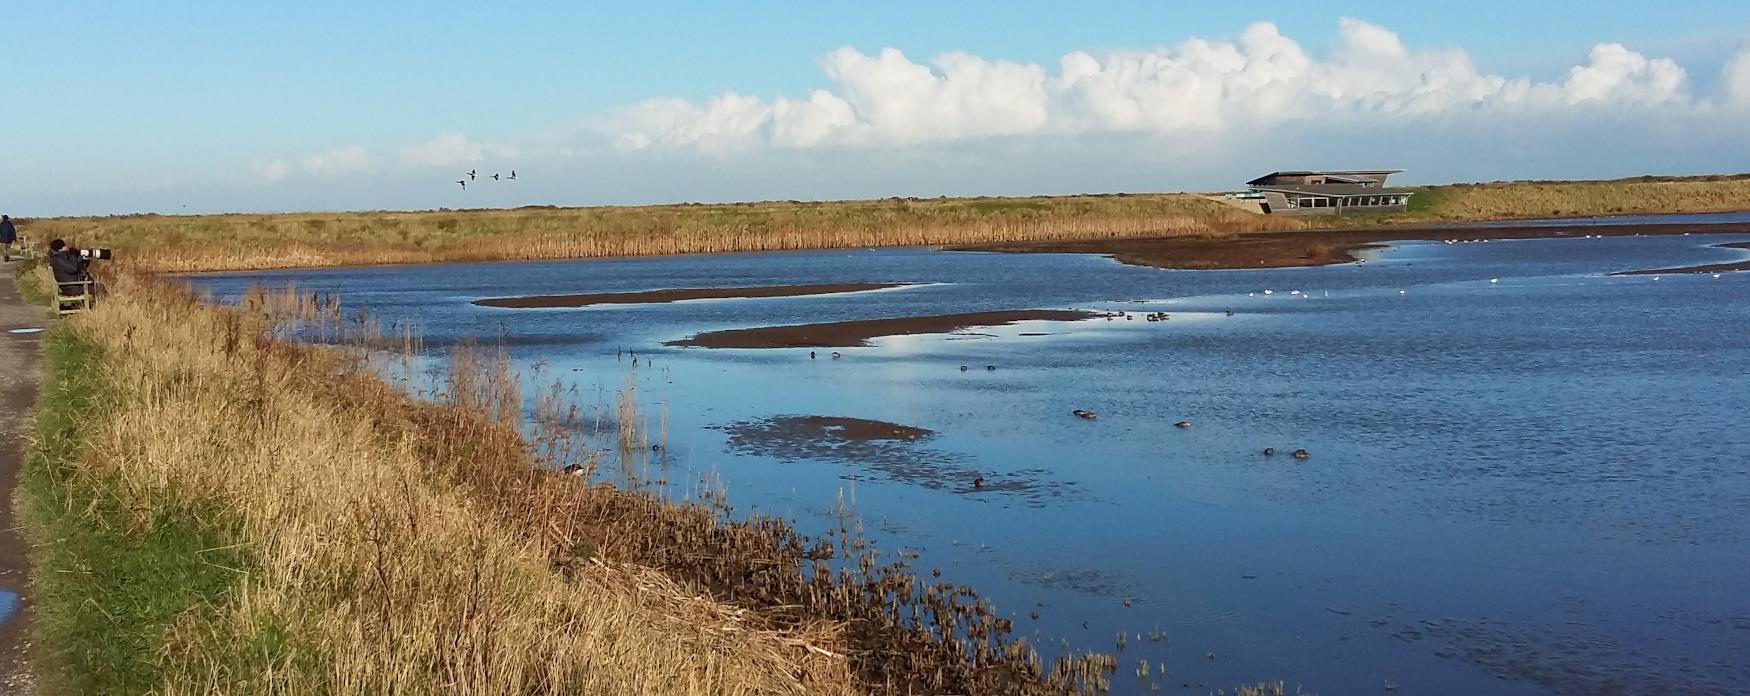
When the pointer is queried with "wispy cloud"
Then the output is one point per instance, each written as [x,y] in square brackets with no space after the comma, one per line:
[447,150]
[339,162]
[270,171]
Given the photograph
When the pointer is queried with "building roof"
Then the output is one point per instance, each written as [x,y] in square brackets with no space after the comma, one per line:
[1334,189]
[1344,173]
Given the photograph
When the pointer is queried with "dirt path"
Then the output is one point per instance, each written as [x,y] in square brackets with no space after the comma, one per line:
[19,374]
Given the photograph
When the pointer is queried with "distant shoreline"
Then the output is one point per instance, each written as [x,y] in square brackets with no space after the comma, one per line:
[1133,223]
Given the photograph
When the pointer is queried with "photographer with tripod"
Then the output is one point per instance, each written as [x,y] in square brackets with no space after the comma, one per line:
[72,269]
[68,264]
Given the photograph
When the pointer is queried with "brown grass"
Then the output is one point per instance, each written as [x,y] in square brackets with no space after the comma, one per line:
[370,553]
[1556,199]
[231,242]
[420,547]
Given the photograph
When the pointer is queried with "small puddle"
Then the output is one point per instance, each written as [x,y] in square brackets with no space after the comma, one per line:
[8,605]
[26,330]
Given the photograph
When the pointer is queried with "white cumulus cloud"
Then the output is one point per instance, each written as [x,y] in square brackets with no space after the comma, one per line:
[1200,86]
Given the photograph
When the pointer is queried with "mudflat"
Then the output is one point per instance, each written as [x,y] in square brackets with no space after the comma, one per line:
[1706,268]
[847,334]
[676,295]
[1314,247]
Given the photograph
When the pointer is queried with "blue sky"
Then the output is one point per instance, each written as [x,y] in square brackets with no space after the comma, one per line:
[219,106]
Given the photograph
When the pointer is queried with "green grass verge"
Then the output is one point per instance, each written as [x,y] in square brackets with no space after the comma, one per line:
[107,584]
[29,285]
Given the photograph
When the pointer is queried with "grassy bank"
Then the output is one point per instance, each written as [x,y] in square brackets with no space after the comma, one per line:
[111,580]
[219,511]
[1556,199]
[235,242]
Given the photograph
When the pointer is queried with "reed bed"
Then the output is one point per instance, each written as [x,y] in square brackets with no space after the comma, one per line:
[392,544]
[1556,199]
[238,242]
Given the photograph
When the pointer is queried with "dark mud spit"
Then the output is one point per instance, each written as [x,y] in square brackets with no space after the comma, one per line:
[1312,247]
[889,449]
[676,295]
[1709,268]
[849,334]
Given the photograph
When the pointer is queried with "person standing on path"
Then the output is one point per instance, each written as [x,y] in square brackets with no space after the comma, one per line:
[8,235]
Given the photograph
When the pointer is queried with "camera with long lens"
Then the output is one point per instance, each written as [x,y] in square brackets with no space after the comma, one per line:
[100,254]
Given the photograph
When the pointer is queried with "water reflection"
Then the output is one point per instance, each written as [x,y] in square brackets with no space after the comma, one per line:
[1535,485]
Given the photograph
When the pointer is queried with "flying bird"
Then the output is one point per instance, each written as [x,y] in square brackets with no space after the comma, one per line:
[464,183]
[512,176]
[470,175]
[495,177]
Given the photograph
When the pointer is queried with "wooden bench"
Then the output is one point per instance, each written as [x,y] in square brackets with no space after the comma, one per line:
[74,297]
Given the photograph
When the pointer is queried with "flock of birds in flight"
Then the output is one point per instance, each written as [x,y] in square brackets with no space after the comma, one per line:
[474,173]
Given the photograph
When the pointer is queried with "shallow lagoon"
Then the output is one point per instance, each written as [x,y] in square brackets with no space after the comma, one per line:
[1536,485]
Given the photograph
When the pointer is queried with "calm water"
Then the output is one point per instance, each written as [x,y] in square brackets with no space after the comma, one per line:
[1540,485]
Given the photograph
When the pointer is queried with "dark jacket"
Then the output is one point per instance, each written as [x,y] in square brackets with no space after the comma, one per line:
[8,233]
[68,266]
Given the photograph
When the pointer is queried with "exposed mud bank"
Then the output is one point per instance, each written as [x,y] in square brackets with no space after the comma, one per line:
[676,295]
[845,334]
